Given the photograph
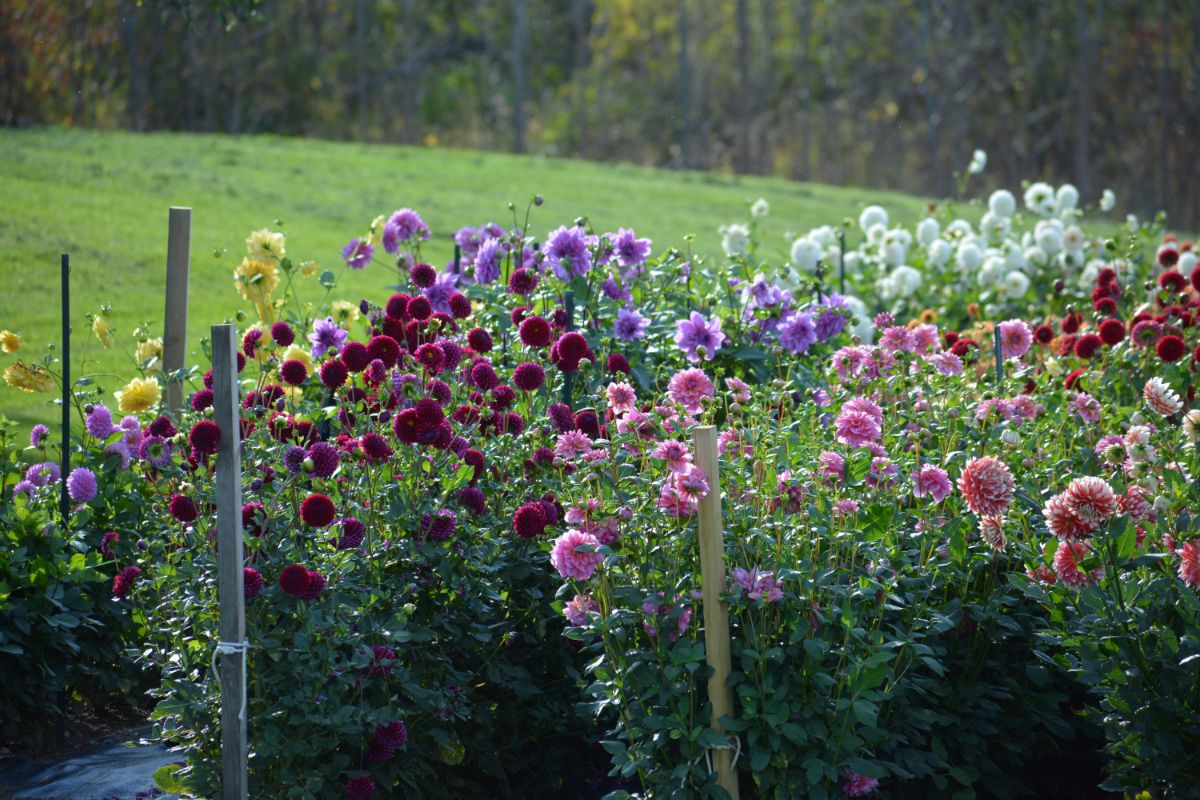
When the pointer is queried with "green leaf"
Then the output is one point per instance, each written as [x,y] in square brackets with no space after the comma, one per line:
[165,779]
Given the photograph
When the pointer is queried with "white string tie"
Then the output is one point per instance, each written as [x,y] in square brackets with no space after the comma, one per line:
[229,649]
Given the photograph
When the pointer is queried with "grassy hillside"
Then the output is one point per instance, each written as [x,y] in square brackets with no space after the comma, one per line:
[103,197]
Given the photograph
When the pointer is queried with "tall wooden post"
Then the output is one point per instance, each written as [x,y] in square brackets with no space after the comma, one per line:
[997,341]
[179,243]
[232,646]
[716,615]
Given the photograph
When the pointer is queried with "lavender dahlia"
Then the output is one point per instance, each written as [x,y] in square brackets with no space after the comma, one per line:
[629,325]
[567,253]
[81,485]
[403,226]
[326,337]
[797,333]
[357,253]
[696,332]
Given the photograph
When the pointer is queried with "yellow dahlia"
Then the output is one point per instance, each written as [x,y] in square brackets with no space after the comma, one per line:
[149,349]
[100,328]
[343,312]
[266,245]
[308,269]
[295,352]
[28,378]
[256,278]
[140,394]
[9,342]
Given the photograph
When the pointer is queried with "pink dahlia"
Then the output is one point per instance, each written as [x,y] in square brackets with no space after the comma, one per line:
[1189,563]
[932,481]
[1015,338]
[572,562]
[1066,564]
[1091,499]
[1062,520]
[621,398]
[987,486]
[857,428]
[689,387]
[1161,398]
[675,453]
[692,484]
[577,609]
[867,406]
[1086,407]
[991,530]
[739,389]
[831,467]
[1137,504]
[845,508]
[572,444]
[947,363]
[856,785]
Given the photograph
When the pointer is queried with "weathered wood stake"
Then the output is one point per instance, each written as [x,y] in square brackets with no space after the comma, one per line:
[179,244]
[232,646]
[999,354]
[716,615]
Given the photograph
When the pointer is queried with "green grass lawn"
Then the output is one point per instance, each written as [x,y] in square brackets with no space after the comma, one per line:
[103,198]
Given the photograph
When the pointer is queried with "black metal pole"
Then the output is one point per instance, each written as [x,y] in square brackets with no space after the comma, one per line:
[457,259]
[64,502]
[999,355]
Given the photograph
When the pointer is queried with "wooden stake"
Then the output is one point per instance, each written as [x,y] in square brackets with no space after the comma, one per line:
[179,243]
[716,615]
[842,262]
[232,646]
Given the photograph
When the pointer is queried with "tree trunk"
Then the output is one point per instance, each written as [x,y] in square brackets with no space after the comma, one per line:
[742,159]
[519,46]
[685,83]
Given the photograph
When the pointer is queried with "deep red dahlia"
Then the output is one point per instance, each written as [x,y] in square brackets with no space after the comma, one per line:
[406,426]
[512,423]
[252,582]
[529,377]
[1170,348]
[587,421]
[419,309]
[452,352]
[1072,377]
[1105,305]
[522,281]
[241,363]
[205,436]
[353,532]
[617,362]
[316,582]
[460,306]
[1112,331]
[360,788]
[202,399]
[253,517]
[355,356]
[397,307]
[1107,275]
[535,332]
[479,340]
[422,275]
[282,334]
[374,447]
[440,391]
[250,342]
[560,414]
[334,374]
[325,459]
[472,499]
[317,510]
[431,356]
[1168,256]
[385,349]
[440,526]
[123,581]
[1172,281]
[517,315]
[572,346]
[293,372]
[429,412]
[1070,323]
[162,428]
[474,458]
[950,337]
[294,579]
[529,521]
[1087,345]
[484,376]
[394,734]
[503,397]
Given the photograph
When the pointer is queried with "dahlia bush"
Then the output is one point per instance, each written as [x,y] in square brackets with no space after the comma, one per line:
[469,511]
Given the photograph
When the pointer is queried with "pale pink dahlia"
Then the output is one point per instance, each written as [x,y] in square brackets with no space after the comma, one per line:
[1086,407]
[571,562]
[1062,520]
[991,530]
[987,486]
[689,387]
[1015,338]
[739,389]
[1189,563]
[571,444]
[621,398]
[856,785]
[947,363]
[845,508]
[867,406]
[831,467]
[932,481]
[577,609]
[1066,564]
[692,484]
[1091,499]
[1161,398]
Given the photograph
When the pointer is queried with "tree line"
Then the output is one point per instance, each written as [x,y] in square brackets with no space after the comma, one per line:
[1102,93]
